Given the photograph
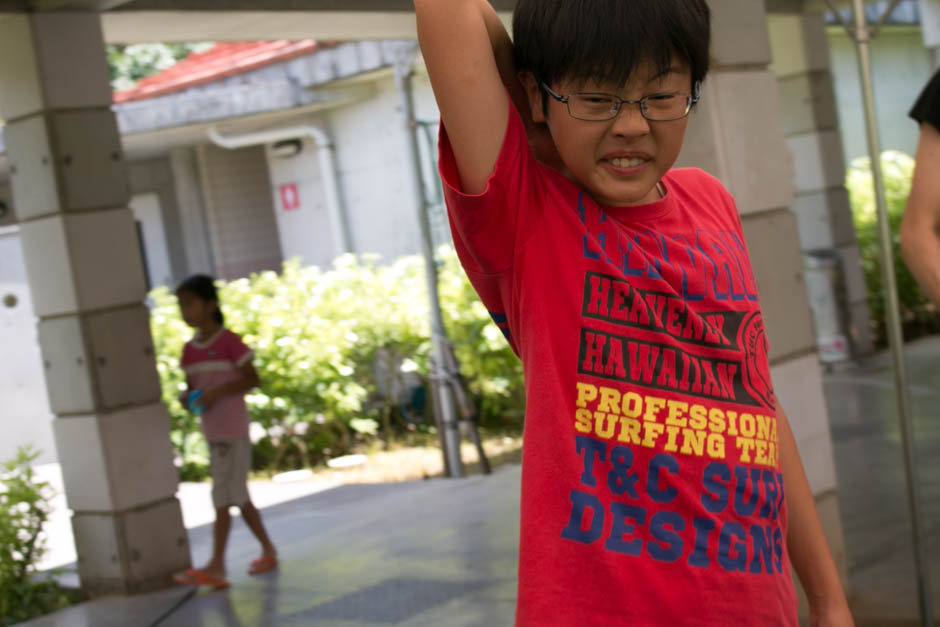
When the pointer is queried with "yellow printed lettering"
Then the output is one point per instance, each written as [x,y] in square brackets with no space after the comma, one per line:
[632,405]
[671,433]
[746,445]
[651,431]
[653,405]
[586,393]
[698,417]
[629,430]
[748,426]
[676,415]
[716,446]
[716,420]
[763,427]
[582,421]
[600,430]
[610,401]
[760,455]
[693,442]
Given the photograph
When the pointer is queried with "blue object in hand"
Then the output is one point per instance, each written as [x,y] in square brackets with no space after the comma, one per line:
[195,406]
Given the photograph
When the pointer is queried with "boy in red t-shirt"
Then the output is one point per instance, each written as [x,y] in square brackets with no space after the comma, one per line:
[661,484]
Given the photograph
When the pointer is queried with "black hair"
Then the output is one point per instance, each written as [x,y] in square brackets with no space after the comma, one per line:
[202,286]
[606,40]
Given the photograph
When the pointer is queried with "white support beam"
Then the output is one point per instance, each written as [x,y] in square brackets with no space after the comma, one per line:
[146,26]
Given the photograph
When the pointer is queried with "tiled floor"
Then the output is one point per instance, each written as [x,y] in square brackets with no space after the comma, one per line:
[426,554]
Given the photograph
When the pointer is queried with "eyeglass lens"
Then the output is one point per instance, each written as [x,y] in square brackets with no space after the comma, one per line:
[605,107]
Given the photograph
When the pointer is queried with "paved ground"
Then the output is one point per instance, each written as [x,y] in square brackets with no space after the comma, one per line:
[443,553]
[425,553]
[869,466]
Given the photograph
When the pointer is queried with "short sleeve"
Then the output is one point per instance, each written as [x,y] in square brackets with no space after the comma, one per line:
[927,108]
[486,226]
[237,351]
[187,357]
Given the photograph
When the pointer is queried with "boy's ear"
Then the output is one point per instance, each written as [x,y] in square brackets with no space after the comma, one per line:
[534,93]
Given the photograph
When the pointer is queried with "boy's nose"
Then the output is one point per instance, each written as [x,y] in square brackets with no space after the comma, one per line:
[630,122]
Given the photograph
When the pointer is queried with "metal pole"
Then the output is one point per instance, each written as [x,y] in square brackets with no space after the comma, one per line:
[450,437]
[862,38]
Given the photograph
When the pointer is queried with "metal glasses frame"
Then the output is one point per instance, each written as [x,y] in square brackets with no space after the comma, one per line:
[691,99]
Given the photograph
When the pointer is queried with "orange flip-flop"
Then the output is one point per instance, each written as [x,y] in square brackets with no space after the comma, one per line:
[262,565]
[193,577]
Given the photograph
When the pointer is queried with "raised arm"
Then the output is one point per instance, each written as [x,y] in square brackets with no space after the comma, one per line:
[920,228]
[469,59]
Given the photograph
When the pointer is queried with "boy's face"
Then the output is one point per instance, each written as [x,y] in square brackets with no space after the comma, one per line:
[619,161]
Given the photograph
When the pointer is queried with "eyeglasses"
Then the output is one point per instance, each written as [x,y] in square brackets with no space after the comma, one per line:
[593,107]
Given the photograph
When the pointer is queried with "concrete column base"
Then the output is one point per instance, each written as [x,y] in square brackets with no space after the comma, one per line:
[133,551]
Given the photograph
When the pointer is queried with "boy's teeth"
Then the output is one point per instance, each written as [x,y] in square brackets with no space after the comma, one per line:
[627,163]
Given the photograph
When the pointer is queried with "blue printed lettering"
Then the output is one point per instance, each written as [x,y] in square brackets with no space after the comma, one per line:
[742,507]
[583,503]
[621,526]
[669,463]
[763,548]
[590,450]
[703,528]
[618,479]
[715,496]
[669,546]
[732,555]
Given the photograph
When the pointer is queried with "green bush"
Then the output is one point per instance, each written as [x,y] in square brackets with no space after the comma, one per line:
[24,508]
[316,336]
[918,316]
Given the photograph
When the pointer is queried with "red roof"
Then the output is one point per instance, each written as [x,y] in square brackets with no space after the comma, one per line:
[222,60]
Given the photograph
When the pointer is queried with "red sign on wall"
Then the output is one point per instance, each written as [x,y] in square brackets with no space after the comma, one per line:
[290,199]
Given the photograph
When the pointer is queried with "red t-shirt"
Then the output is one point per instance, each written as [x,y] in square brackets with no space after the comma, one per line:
[211,363]
[651,483]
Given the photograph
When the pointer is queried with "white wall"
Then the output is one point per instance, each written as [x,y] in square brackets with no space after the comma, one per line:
[25,418]
[374,180]
[373,171]
[304,232]
[146,209]
[901,71]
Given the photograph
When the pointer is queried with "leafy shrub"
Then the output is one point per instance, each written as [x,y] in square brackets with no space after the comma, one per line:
[317,335]
[918,316]
[24,508]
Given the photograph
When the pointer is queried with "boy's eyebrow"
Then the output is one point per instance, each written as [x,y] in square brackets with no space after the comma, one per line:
[663,73]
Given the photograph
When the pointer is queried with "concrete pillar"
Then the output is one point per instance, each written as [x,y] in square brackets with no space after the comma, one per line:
[930,25]
[737,135]
[85,272]
[800,51]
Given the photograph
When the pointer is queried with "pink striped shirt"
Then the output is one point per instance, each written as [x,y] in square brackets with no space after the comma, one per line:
[211,363]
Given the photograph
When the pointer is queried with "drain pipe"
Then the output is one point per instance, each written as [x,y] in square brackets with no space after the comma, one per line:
[450,434]
[327,155]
